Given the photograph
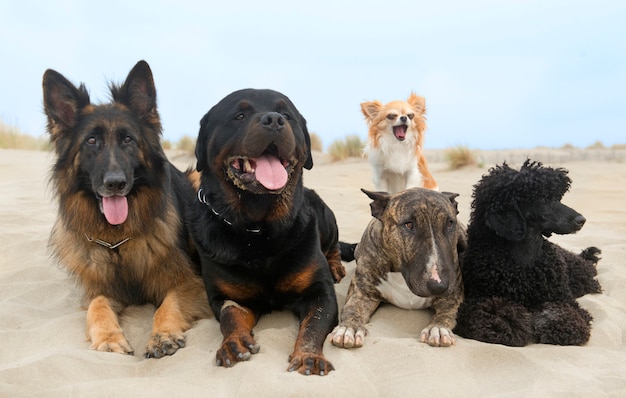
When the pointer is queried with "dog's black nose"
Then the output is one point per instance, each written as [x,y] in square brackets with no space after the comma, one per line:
[436,288]
[403,119]
[273,120]
[114,181]
[580,220]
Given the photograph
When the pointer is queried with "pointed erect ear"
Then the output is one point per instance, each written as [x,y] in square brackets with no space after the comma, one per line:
[380,201]
[507,223]
[62,101]
[371,109]
[138,91]
[452,198]
[417,103]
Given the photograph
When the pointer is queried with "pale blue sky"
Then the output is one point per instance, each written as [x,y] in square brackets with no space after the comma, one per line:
[495,73]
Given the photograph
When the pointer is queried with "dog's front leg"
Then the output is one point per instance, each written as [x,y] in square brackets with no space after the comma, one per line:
[236,323]
[439,332]
[378,171]
[103,328]
[359,307]
[317,318]
[381,182]
[168,328]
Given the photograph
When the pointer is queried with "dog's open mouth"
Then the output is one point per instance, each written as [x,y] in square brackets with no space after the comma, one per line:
[400,132]
[268,169]
[114,208]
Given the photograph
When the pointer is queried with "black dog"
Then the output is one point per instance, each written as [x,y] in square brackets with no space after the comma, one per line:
[265,241]
[519,287]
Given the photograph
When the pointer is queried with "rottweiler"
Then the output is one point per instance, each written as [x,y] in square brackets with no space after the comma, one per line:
[265,241]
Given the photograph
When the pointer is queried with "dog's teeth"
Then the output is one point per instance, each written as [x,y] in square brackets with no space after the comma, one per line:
[247,166]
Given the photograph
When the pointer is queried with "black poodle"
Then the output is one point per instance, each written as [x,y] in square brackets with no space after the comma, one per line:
[519,287]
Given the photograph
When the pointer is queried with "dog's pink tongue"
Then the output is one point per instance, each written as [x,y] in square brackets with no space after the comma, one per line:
[270,172]
[399,132]
[115,209]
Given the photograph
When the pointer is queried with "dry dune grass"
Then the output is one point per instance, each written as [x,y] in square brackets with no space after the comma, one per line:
[12,137]
[351,146]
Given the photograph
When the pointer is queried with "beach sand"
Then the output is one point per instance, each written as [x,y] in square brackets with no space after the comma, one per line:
[44,352]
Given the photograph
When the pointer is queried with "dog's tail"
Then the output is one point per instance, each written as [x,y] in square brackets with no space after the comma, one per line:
[347,251]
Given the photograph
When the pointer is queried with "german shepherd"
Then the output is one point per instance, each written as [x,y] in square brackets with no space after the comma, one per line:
[119,230]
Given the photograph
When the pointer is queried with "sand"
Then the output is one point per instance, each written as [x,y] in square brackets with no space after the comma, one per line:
[42,325]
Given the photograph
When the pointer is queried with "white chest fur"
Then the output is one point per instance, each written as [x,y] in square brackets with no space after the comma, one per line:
[395,291]
[393,155]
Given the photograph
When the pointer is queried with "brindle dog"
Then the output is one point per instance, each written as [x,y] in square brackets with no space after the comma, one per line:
[408,256]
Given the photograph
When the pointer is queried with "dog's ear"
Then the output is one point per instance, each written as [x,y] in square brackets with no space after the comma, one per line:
[138,91]
[201,142]
[380,201]
[461,244]
[417,103]
[308,163]
[452,198]
[508,223]
[371,109]
[62,102]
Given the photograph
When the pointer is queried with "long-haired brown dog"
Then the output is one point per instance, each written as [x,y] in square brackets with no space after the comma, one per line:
[395,142]
[119,230]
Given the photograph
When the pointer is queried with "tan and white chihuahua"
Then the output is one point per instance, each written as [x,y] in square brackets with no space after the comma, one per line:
[394,147]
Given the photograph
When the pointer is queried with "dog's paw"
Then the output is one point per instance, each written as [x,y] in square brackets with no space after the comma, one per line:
[338,271]
[437,336]
[347,337]
[162,344]
[592,254]
[236,349]
[111,342]
[309,364]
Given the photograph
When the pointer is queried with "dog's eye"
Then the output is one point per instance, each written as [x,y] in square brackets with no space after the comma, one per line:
[409,225]
[128,139]
[91,141]
[240,116]
[450,225]
[391,116]
[410,116]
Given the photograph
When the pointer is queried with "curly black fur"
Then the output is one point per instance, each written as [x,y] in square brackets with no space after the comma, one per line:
[519,287]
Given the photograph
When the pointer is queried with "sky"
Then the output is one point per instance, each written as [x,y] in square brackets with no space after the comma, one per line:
[496,74]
